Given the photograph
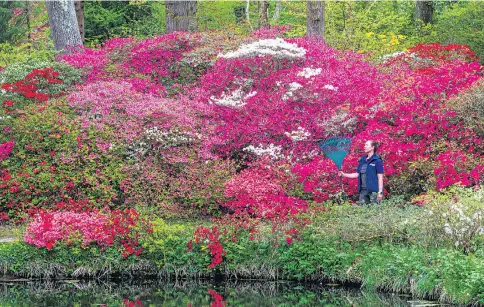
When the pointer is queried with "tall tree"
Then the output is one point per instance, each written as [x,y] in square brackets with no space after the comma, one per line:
[424,11]
[63,24]
[79,6]
[277,11]
[263,6]
[181,16]
[315,18]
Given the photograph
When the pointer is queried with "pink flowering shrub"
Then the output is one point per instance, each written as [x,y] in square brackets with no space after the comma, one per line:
[6,149]
[281,100]
[259,191]
[215,122]
[113,228]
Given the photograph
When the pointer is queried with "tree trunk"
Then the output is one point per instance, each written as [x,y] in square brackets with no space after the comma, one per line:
[79,6]
[63,24]
[315,18]
[263,6]
[277,11]
[181,16]
[424,11]
[247,8]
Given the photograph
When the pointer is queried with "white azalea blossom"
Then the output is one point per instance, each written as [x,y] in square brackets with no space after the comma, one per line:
[309,72]
[460,225]
[167,139]
[235,99]
[299,135]
[154,139]
[293,86]
[386,57]
[276,47]
[331,87]
[271,150]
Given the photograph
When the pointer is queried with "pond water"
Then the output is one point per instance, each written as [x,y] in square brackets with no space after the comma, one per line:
[190,293]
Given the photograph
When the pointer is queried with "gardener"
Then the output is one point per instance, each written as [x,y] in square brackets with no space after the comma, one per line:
[370,175]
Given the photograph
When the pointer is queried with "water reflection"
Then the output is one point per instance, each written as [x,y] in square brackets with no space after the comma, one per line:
[188,293]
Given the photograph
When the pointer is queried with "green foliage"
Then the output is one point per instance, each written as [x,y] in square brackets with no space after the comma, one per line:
[17,71]
[28,261]
[27,35]
[8,29]
[469,106]
[444,274]
[12,53]
[461,22]
[393,220]
[108,19]
[167,247]
[454,217]
[376,27]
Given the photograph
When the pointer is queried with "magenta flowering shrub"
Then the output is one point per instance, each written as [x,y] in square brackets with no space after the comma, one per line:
[6,149]
[48,228]
[187,121]
[261,191]
[154,60]
[272,97]
[118,228]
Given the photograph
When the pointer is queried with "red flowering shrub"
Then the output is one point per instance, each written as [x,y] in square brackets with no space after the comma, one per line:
[37,86]
[118,228]
[270,98]
[211,237]
[217,299]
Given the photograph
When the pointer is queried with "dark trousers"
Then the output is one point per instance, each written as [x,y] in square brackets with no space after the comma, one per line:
[367,197]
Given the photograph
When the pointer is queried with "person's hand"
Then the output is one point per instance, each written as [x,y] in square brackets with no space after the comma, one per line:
[379,196]
[340,173]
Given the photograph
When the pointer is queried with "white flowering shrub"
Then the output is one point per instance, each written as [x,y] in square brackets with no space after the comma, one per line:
[235,99]
[276,47]
[330,87]
[155,139]
[309,72]
[339,121]
[457,214]
[271,150]
[300,134]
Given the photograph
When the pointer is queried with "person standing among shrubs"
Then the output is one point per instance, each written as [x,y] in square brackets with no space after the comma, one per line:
[370,175]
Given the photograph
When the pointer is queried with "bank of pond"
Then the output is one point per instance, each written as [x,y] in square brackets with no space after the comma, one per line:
[441,274]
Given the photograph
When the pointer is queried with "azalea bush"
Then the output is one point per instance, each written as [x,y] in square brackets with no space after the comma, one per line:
[237,134]
[119,228]
[51,159]
[469,106]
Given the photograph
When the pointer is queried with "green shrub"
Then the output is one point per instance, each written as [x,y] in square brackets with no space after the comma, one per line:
[454,217]
[17,71]
[391,220]
[12,53]
[54,160]
[167,248]
[443,274]
[461,23]
[469,106]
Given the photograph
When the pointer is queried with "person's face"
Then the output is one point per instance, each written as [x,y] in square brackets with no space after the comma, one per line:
[368,147]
